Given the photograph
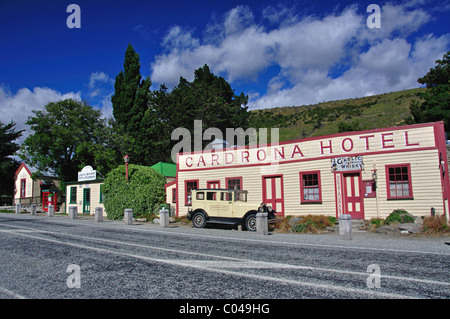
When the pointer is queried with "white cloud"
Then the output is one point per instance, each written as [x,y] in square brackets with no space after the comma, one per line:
[280,14]
[245,49]
[106,106]
[17,107]
[237,20]
[307,50]
[100,90]
[391,65]
[99,82]
[179,39]
[98,77]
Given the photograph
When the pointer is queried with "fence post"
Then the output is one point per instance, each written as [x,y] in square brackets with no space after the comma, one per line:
[345,226]
[51,210]
[73,212]
[18,208]
[164,217]
[128,216]
[262,224]
[98,214]
[33,209]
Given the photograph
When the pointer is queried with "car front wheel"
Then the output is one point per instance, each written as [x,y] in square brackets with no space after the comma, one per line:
[250,222]
[199,220]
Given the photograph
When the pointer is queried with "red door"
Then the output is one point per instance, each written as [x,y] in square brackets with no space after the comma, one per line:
[353,199]
[213,184]
[273,193]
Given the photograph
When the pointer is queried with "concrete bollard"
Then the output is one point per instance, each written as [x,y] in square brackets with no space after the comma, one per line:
[128,216]
[262,226]
[164,217]
[345,226]
[98,214]
[33,209]
[51,210]
[73,212]
[18,208]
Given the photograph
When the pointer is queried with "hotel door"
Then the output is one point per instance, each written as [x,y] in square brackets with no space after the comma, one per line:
[213,184]
[273,193]
[353,199]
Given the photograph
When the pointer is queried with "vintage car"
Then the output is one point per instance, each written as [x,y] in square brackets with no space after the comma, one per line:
[225,206]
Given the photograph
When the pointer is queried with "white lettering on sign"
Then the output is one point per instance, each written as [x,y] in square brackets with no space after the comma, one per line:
[345,151]
[87,174]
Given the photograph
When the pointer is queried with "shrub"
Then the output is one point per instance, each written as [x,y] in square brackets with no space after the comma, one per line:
[281,224]
[314,224]
[400,216]
[145,189]
[435,224]
[377,222]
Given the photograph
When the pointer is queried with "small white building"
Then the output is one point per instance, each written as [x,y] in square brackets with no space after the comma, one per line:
[86,193]
[35,189]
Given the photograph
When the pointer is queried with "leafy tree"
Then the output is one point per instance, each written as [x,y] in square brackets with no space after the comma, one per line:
[209,98]
[8,148]
[68,135]
[109,147]
[436,104]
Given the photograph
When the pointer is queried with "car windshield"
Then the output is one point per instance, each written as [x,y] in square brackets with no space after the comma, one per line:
[241,196]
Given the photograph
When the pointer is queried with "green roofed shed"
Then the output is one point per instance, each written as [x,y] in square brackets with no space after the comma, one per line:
[165,169]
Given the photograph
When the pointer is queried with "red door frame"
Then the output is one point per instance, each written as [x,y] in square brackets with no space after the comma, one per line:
[279,198]
[212,183]
[23,188]
[353,199]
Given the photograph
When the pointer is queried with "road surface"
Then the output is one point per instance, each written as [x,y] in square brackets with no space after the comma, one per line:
[55,257]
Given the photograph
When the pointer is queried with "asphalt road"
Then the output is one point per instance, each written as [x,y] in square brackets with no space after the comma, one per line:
[54,257]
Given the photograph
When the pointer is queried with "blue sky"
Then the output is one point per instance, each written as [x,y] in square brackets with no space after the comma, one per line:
[280,53]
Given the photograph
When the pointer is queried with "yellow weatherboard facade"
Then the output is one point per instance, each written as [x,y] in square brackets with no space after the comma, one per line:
[365,174]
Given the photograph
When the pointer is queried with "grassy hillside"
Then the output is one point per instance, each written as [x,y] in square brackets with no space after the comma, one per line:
[377,111]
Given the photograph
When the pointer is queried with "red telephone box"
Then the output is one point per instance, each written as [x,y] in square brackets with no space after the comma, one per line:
[48,197]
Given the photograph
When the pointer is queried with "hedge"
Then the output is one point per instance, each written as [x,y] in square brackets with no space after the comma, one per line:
[145,189]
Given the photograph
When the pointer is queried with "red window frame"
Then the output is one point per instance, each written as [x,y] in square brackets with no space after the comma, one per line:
[174,195]
[309,181]
[188,190]
[23,187]
[228,179]
[395,174]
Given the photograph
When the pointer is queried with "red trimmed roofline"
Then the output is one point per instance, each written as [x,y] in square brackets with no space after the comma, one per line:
[20,167]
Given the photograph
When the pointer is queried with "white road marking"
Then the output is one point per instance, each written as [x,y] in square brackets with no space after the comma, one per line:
[12,294]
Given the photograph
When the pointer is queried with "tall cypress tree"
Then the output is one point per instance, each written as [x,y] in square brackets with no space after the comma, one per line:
[130,102]
[8,148]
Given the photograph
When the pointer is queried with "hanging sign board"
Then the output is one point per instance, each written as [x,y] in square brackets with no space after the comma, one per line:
[87,174]
[347,163]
